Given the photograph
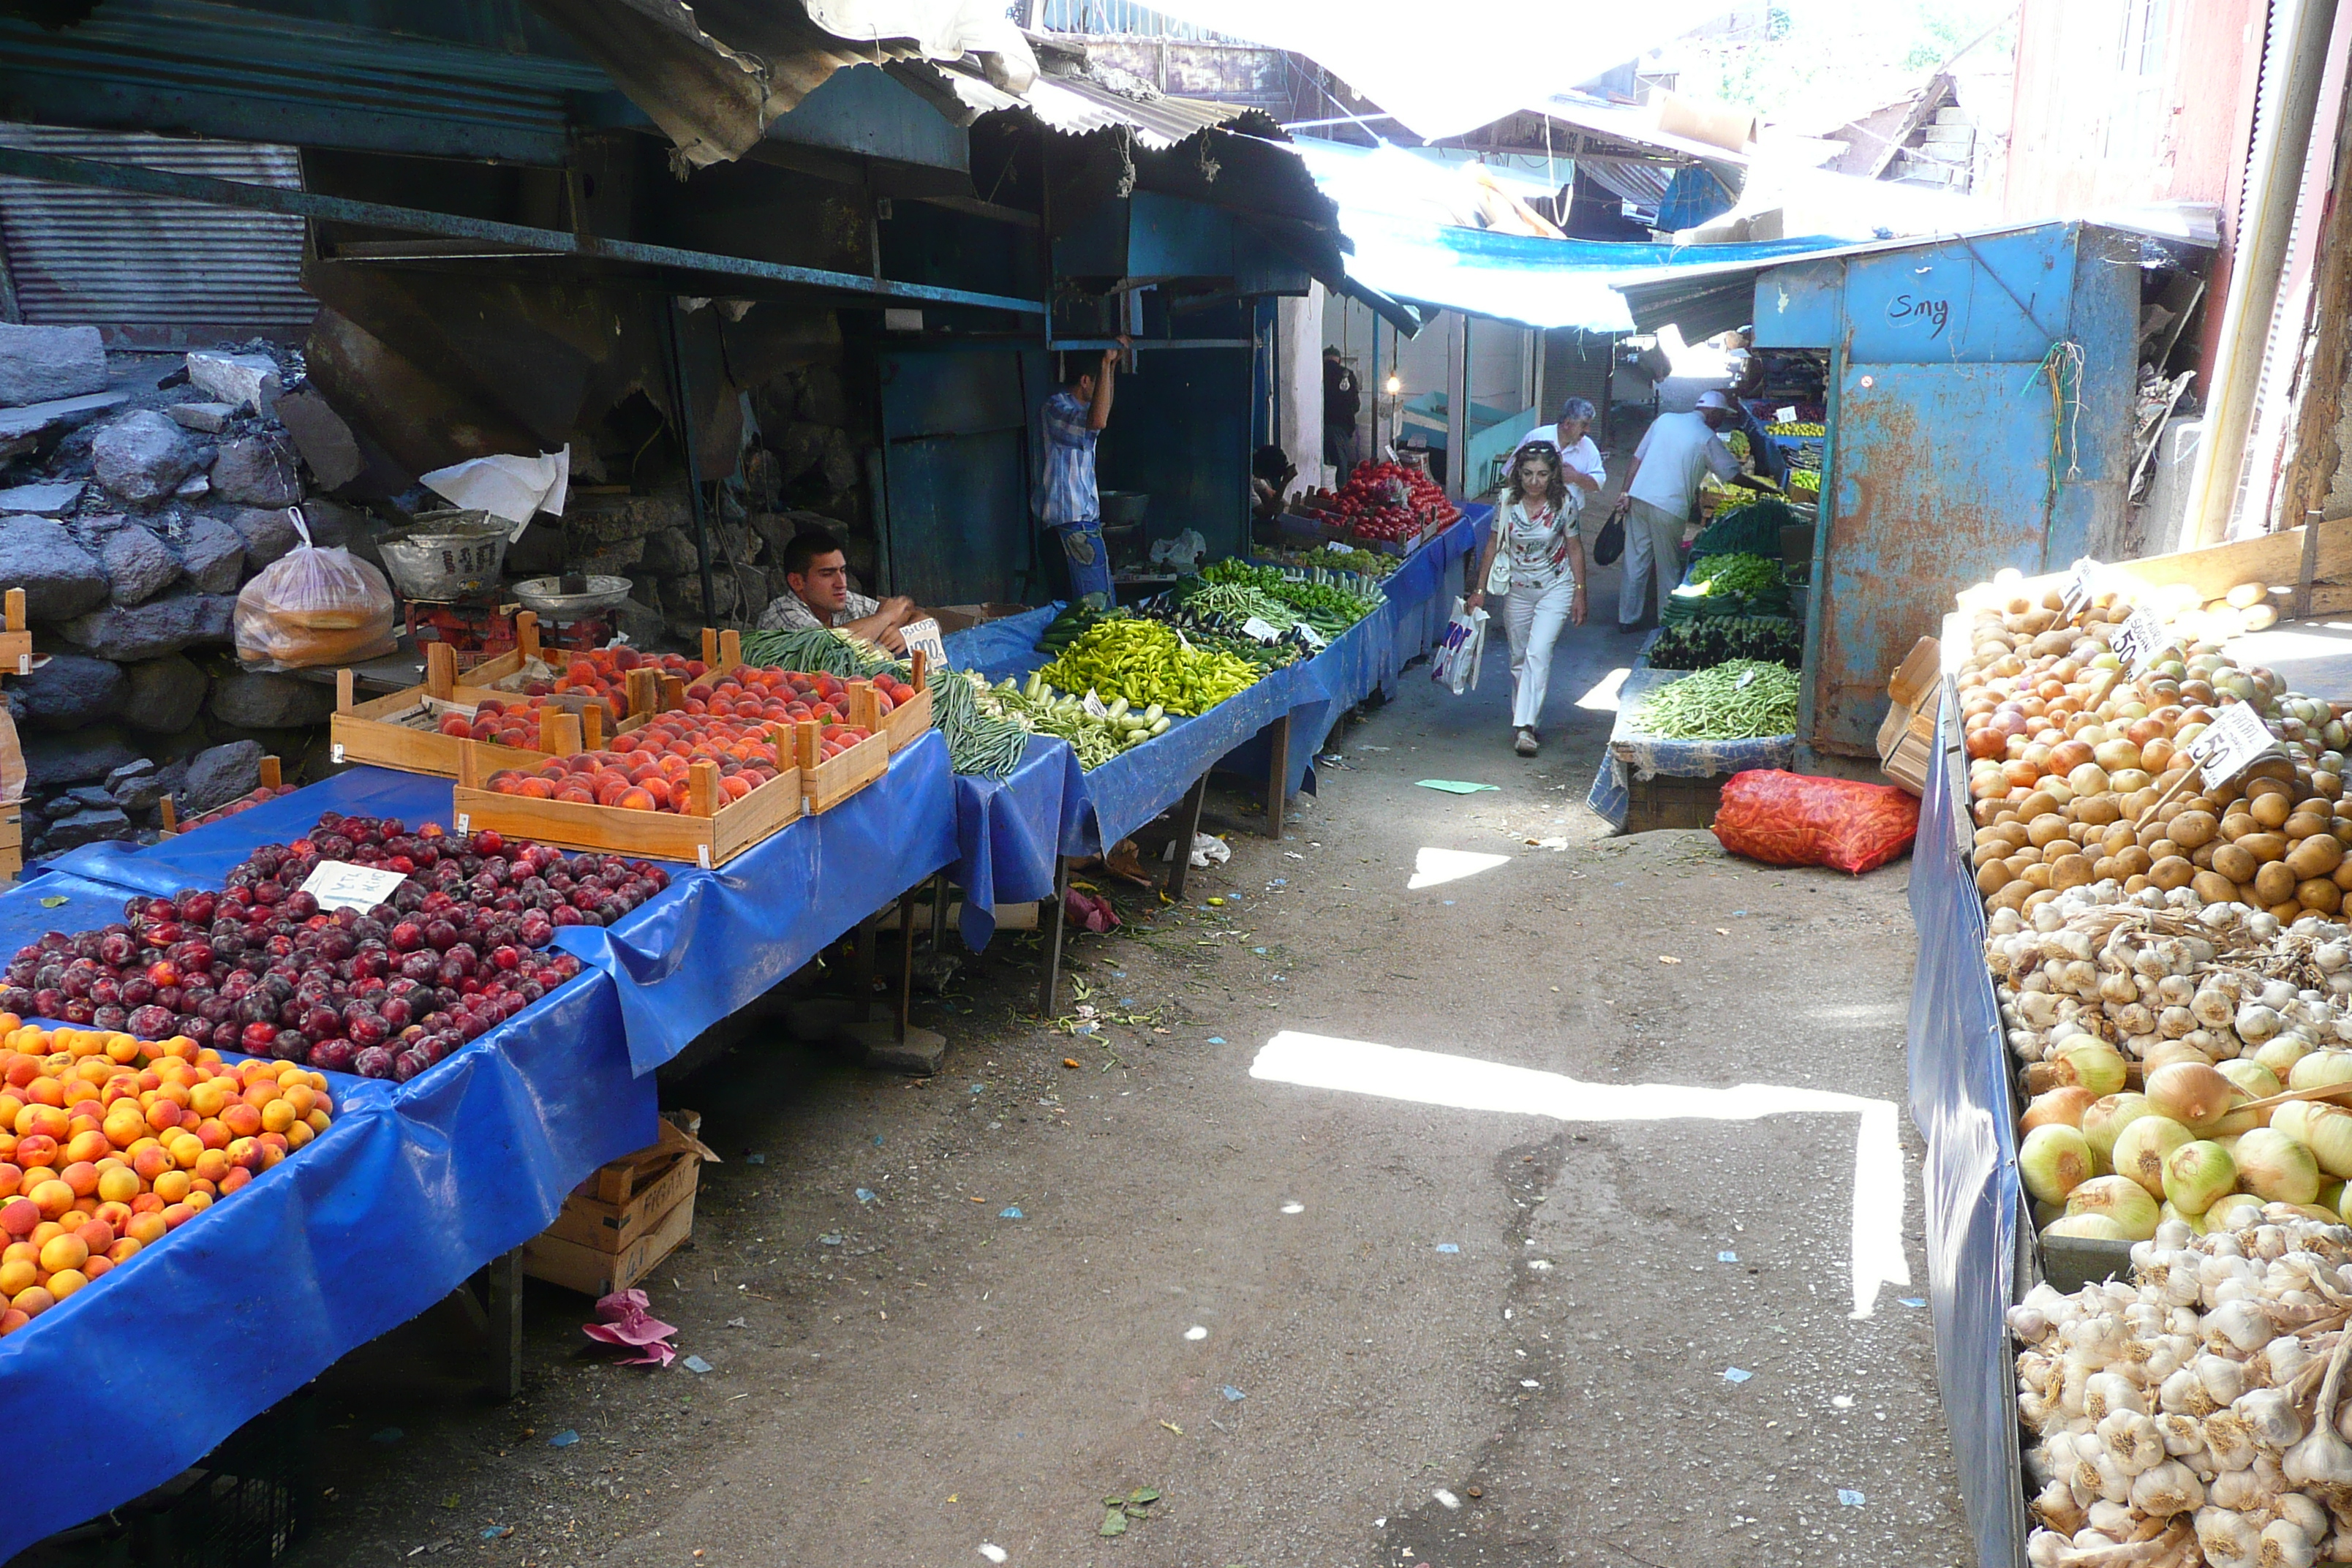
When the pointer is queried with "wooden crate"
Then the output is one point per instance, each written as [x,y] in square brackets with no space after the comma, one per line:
[402,730]
[827,784]
[1666,801]
[273,777]
[709,833]
[15,642]
[628,1216]
[12,839]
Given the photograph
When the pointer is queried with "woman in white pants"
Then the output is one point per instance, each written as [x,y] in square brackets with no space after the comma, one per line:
[1535,528]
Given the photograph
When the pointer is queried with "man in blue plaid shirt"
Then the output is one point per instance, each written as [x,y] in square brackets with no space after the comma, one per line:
[1065,500]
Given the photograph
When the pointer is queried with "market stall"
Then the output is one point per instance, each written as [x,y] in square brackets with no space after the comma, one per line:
[414,1187]
[2129,1011]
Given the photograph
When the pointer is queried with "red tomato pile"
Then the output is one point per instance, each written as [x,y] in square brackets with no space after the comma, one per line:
[1384,500]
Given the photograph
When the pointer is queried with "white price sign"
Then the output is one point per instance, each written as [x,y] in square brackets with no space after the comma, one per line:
[1093,705]
[340,885]
[2231,743]
[923,637]
[1263,630]
[1312,637]
[2081,587]
[2137,640]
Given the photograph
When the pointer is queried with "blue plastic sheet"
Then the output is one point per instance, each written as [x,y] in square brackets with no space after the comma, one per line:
[414,1188]
[1961,1102]
[716,939]
[1009,833]
[769,911]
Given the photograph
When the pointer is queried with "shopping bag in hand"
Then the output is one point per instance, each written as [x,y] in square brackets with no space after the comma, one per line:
[1460,650]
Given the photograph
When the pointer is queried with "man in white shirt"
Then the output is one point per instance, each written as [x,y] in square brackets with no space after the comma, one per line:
[1659,490]
[1579,459]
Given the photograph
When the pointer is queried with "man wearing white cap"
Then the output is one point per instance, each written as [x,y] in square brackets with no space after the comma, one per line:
[1660,486]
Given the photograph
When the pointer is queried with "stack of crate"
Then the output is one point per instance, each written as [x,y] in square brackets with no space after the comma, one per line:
[1907,741]
[628,1216]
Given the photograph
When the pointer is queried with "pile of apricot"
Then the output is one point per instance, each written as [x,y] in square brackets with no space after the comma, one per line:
[108,1143]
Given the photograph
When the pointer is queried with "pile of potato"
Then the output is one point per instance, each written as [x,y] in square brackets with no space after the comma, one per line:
[2068,758]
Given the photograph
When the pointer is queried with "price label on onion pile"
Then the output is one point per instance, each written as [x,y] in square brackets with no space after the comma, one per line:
[340,885]
[2081,588]
[2231,743]
[923,637]
[2137,640]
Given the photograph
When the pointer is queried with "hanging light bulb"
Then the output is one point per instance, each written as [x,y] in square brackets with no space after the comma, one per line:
[1392,385]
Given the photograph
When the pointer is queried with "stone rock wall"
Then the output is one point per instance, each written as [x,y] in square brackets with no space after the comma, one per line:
[143,492]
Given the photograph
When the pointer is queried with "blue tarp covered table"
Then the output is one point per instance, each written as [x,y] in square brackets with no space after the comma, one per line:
[419,1184]
[1009,831]
[415,1187]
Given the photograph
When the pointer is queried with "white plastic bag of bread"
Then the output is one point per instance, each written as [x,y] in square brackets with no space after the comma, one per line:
[313,606]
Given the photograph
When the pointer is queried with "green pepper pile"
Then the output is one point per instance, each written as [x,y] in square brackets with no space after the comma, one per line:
[1325,604]
[1147,663]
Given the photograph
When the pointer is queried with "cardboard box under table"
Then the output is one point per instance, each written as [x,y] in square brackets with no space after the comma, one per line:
[627,1217]
[1649,781]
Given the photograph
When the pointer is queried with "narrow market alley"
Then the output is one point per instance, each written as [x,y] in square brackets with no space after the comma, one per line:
[1414,1319]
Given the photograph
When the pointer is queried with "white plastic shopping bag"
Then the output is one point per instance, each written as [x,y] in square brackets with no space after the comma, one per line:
[1455,666]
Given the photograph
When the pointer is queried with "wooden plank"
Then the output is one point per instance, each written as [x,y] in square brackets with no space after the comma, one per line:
[835,779]
[611,1226]
[2274,559]
[909,722]
[15,640]
[2308,565]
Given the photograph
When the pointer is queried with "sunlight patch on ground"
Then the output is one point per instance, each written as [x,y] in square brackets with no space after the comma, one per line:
[1432,868]
[1431,1077]
[1603,696]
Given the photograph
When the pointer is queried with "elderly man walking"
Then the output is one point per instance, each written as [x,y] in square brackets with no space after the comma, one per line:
[1660,487]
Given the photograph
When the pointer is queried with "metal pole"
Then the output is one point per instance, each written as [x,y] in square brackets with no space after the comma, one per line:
[682,401]
[2265,229]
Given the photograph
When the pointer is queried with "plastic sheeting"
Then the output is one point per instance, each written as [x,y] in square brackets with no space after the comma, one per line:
[1009,833]
[415,1187]
[1961,1102]
[716,939]
[770,910]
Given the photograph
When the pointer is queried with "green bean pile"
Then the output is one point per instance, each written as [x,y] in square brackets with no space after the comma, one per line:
[981,743]
[1742,700]
[819,651]
[1096,738]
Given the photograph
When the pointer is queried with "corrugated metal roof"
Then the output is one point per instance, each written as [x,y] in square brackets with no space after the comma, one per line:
[1078,105]
[1644,184]
[111,258]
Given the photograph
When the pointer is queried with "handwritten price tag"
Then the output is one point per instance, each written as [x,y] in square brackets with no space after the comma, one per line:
[2231,743]
[2137,640]
[923,636]
[2081,587]
[340,885]
[1263,630]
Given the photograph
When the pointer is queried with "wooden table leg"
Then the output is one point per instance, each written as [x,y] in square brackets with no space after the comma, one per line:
[906,960]
[1053,981]
[1188,827]
[939,915]
[502,1374]
[1277,775]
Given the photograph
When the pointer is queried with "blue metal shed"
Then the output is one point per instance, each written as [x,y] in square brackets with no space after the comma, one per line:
[1979,416]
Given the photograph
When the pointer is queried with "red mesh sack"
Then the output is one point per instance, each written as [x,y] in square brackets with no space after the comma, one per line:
[1789,819]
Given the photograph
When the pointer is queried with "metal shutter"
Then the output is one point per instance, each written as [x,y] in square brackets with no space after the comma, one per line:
[150,271]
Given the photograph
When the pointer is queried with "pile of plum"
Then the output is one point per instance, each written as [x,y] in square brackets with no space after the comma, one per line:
[457,947]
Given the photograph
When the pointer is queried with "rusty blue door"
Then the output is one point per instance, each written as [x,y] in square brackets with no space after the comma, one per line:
[1942,479]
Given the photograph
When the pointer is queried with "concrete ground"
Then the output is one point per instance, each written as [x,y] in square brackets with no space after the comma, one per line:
[1440,1314]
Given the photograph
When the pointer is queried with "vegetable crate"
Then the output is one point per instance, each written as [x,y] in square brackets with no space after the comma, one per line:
[712,831]
[12,839]
[903,725]
[403,730]
[628,1216]
[1667,800]
[1906,739]
[273,777]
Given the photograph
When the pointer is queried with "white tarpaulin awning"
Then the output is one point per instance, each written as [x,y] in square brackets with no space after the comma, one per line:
[1446,72]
